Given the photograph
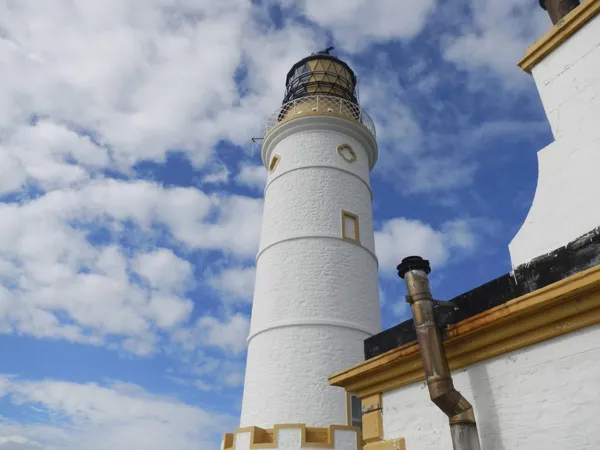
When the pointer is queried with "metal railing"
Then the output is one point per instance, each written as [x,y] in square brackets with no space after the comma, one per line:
[319,104]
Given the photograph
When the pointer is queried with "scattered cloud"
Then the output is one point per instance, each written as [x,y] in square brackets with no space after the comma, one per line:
[114,84]
[496,38]
[399,238]
[355,24]
[228,334]
[252,176]
[234,284]
[96,417]
[81,286]
[220,175]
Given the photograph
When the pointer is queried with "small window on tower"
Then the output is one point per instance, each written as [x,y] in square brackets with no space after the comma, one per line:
[347,152]
[350,231]
[274,162]
[354,411]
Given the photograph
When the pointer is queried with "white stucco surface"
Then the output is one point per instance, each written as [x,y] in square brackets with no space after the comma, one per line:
[286,375]
[563,209]
[568,81]
[314,278]
[291,439]
[326,193]
[316,295]
[546,396]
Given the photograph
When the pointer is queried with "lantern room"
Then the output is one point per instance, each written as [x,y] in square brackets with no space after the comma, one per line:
[320,84]
[321,74]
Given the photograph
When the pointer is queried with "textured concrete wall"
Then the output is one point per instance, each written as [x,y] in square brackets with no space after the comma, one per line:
[568,81]
[546,396]
[316,296]
[291,439]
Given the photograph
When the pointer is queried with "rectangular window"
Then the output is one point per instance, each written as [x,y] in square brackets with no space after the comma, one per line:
[354,411]
[350,230]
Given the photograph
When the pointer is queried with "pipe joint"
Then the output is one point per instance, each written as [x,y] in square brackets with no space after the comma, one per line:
[467,416]
[419,297]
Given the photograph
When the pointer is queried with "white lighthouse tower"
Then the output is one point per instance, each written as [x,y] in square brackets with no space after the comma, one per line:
[316,297]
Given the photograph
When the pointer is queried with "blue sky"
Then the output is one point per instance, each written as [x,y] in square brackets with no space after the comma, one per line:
[131,193]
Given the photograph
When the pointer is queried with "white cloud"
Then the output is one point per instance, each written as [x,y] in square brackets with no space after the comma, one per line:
[47,155]
[399,238]
[117,416]
[141,79]
[229,334]
[253,176]
[163,270]
[137,77]
[18,443]
[383,98]
[496,39]
[220,175]
[234,283]
[213,374]
[401,310]
[357,23]
[91,284]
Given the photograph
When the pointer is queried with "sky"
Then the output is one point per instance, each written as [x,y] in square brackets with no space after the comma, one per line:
[131,192]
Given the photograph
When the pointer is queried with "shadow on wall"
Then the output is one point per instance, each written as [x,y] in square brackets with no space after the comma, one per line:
[488,421]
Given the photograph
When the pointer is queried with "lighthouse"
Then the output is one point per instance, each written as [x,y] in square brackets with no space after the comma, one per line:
[316,296]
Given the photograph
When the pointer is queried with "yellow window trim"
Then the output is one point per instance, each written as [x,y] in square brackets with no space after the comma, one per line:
[274,163]
[354,217]
[340,151]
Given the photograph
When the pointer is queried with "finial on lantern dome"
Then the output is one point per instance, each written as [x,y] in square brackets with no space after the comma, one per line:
[326,51]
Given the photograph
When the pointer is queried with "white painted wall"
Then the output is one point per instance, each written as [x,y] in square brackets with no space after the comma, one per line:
[291,439]
[546,396]
[316,296]
[286,375]
[568,81]
[563,209]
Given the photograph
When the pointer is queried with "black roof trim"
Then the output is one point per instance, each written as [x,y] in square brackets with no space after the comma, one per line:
[577,256]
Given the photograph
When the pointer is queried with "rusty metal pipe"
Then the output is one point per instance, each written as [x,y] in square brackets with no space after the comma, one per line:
[463,428]
[557,9]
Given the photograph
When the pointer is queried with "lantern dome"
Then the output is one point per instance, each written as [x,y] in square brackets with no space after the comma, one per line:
[321,74]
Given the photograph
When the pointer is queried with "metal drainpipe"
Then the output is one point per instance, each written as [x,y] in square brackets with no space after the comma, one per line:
[414,271]
[557,9]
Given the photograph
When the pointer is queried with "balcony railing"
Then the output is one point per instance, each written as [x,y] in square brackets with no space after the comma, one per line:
[319,104]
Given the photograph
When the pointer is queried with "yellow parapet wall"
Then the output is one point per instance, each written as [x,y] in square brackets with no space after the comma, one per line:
[565,306]
[311,436]
[564,29]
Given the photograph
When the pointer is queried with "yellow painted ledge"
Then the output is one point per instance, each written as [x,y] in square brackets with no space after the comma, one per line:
[393,444]
[559,33]
[565,306]
[261,438]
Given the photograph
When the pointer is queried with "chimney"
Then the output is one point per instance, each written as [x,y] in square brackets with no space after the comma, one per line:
[557,9]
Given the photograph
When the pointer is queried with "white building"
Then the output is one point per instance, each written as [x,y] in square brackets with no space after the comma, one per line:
[316,297]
